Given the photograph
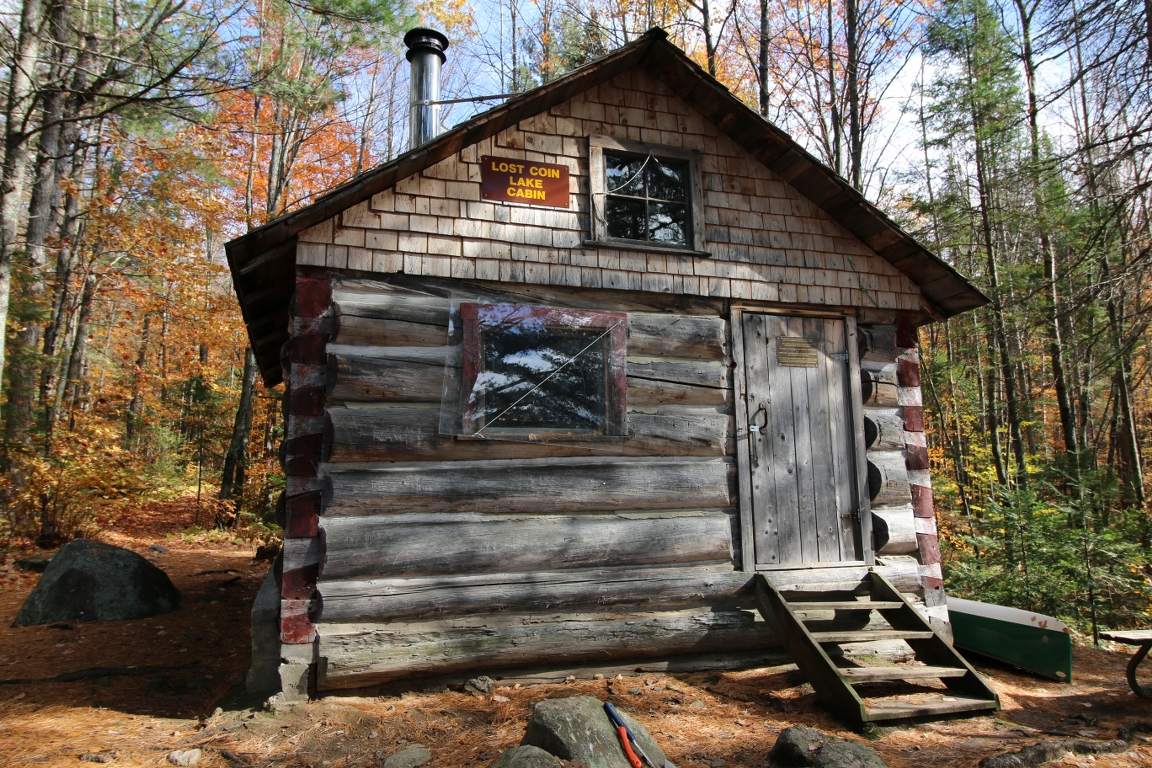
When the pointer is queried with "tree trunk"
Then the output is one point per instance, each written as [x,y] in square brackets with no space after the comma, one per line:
[44,201]
[855,137]
[1127,438]
[837,161]
[994,426]
[235,459]
[136,406]
[1000,333]
[762,63]
[73,378]
[17,157]
[1055,342]
[709,43]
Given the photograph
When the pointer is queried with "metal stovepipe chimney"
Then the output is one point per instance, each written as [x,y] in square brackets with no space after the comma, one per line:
[426,54]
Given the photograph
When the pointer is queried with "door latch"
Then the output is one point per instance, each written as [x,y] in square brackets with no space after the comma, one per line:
[755,430]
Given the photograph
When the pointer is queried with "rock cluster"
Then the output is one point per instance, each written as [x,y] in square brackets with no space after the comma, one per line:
[575,729]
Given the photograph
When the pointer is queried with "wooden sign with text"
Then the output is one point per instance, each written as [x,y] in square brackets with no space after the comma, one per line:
[524,181]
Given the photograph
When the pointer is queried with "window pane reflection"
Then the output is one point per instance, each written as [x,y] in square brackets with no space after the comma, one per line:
[624,176]
[667,222]
[542,378]
[627,218]
[667,180]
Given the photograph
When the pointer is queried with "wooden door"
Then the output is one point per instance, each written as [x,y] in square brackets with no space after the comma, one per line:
[800,440]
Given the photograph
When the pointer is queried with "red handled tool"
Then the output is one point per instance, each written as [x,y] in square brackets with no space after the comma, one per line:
[631,746]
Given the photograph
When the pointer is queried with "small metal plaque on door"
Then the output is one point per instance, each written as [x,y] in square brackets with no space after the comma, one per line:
[796,352]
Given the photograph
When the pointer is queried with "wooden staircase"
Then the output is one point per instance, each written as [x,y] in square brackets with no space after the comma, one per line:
[859,695]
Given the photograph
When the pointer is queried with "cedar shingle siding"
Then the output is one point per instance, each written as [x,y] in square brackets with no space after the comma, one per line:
[767,242]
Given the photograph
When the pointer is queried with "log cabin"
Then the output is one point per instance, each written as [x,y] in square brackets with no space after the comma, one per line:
[562,382]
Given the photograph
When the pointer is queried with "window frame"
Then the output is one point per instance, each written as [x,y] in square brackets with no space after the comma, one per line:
[598,188]
[474,323]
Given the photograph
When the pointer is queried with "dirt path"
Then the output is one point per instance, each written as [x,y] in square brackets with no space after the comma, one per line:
[182,664]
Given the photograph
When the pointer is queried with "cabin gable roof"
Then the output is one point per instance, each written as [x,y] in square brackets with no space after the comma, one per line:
[263,261]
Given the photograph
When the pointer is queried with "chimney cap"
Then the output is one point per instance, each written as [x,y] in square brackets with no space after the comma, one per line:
[424,40]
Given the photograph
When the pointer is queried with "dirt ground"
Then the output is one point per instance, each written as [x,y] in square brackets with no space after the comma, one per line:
[152,687]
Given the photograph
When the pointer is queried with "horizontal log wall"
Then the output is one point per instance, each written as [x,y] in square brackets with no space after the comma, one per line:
[369,654]
[897,449]
[444,544]
[416,524]
[545,590]
[412,529]
[652,587]
[416,375]
[528,486]
[411,433]
[884,434]
[371,642]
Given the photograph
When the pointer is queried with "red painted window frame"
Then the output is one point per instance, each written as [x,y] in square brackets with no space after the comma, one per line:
[475,317]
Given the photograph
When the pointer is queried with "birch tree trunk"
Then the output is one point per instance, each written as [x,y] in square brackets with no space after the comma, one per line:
[17,152]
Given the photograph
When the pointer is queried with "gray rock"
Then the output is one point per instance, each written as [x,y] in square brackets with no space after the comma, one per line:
[526,757]
[409,757]
[796,747]
[159,548]
[185,757]
[90,581]
[96,757]
[804,747]
[483,684]
[578,728]
[848,754]
[34,564]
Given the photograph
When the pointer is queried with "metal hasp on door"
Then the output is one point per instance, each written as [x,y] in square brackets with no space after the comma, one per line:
[801,442]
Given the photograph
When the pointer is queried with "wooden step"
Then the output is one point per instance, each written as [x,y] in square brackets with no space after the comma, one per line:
[844,605]
[947,704]
[864,636]
[869,674]
[839,688]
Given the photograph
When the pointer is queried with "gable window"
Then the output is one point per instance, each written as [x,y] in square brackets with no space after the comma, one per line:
[645,196]
[647,199]
[543,372]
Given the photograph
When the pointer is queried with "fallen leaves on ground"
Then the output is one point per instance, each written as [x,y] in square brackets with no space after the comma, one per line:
[201,650]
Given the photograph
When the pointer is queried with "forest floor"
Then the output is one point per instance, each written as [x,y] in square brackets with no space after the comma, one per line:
[175,669]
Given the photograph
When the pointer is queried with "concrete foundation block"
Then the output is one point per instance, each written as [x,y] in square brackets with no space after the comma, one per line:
[263,675]
[294,679]
[297,653]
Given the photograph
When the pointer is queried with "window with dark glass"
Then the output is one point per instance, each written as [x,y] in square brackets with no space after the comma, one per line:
[543,370]
[647,199]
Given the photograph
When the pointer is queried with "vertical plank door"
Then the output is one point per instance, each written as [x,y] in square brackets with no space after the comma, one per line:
[800,449]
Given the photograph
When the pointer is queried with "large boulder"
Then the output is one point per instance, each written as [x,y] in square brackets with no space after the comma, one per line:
[804,747]
[90,581]
[578,728]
